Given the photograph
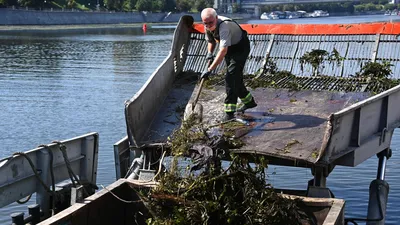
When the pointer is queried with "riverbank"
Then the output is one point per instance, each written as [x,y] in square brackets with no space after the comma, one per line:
[21,17]
[6,28]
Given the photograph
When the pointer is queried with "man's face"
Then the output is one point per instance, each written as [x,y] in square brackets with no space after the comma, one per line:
[210,23]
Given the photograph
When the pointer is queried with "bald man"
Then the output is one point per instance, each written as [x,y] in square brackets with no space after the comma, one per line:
[234,46]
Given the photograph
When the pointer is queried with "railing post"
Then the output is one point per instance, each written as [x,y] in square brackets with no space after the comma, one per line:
[17,218]
[43,197]
[34,212]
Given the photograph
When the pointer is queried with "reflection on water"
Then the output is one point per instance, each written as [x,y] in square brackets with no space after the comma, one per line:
[60,84]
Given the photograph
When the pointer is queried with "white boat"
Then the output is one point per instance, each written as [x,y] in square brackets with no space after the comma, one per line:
[319,13]
[264,16]
[293,15]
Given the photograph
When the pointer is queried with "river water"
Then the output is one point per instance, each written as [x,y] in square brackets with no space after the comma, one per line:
[58,85]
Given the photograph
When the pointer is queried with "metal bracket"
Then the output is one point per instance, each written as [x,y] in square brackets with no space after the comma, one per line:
[146,175]
[383,136]
[77,194]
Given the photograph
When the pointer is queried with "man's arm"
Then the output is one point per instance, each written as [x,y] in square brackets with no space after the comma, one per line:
[211,47]
[218,59]
[225,42]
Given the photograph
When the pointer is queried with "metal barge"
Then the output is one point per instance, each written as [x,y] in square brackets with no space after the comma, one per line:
[326,118]
[335,119]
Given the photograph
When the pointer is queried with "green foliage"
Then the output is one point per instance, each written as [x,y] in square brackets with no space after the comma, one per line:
[70,3]
[182,138]
[192,5]
[158,5]
[316,57]
[389,6]
[144,5]
[348,7]
[56,4]
[359,8]
[31,3]
[375,70]
[215,79]
[235,8]
[128,5]
[184,5]
[169,6]
[117,6]
[270,66]
[330,7]
[200,5]
[378,75]
[81,7]
[8,2]
[239,194]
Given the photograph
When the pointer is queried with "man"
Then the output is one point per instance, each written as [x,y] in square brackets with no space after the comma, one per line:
[234,46]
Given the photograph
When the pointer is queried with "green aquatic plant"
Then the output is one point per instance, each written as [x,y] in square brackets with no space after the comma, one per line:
[215,79]
[271,81]
[183,137]
[377,75]
[316,57]
[238,194]
[270,67]
[375,70]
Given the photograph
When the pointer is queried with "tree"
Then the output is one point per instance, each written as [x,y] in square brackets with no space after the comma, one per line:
[144,5]
[71,3]
[169,6]
[288,7]
[113,4]
[128,5]
[235,7]
[158,5]
[200,5]
[32,3]
[389,6]
[349,7]
[183,5]
[8,3]
[359,8]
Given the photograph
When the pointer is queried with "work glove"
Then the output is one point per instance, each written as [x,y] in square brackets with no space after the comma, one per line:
[205,74]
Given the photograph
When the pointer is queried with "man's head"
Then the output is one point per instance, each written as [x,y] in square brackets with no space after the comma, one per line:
[209,18]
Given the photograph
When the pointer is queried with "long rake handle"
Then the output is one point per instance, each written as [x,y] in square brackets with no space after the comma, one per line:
[198,94]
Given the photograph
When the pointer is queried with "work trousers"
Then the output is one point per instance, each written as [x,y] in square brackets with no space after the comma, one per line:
[235,60]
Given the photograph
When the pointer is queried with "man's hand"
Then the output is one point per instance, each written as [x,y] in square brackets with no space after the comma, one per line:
[205,74]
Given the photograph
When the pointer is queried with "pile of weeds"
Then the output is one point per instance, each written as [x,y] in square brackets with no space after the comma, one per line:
[273,80]
[215,79]
[236,193]
[190,132]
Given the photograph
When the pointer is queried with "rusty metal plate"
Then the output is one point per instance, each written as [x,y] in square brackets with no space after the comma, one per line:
[285,125]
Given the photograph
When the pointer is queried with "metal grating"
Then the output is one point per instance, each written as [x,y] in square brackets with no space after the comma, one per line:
[286,50]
